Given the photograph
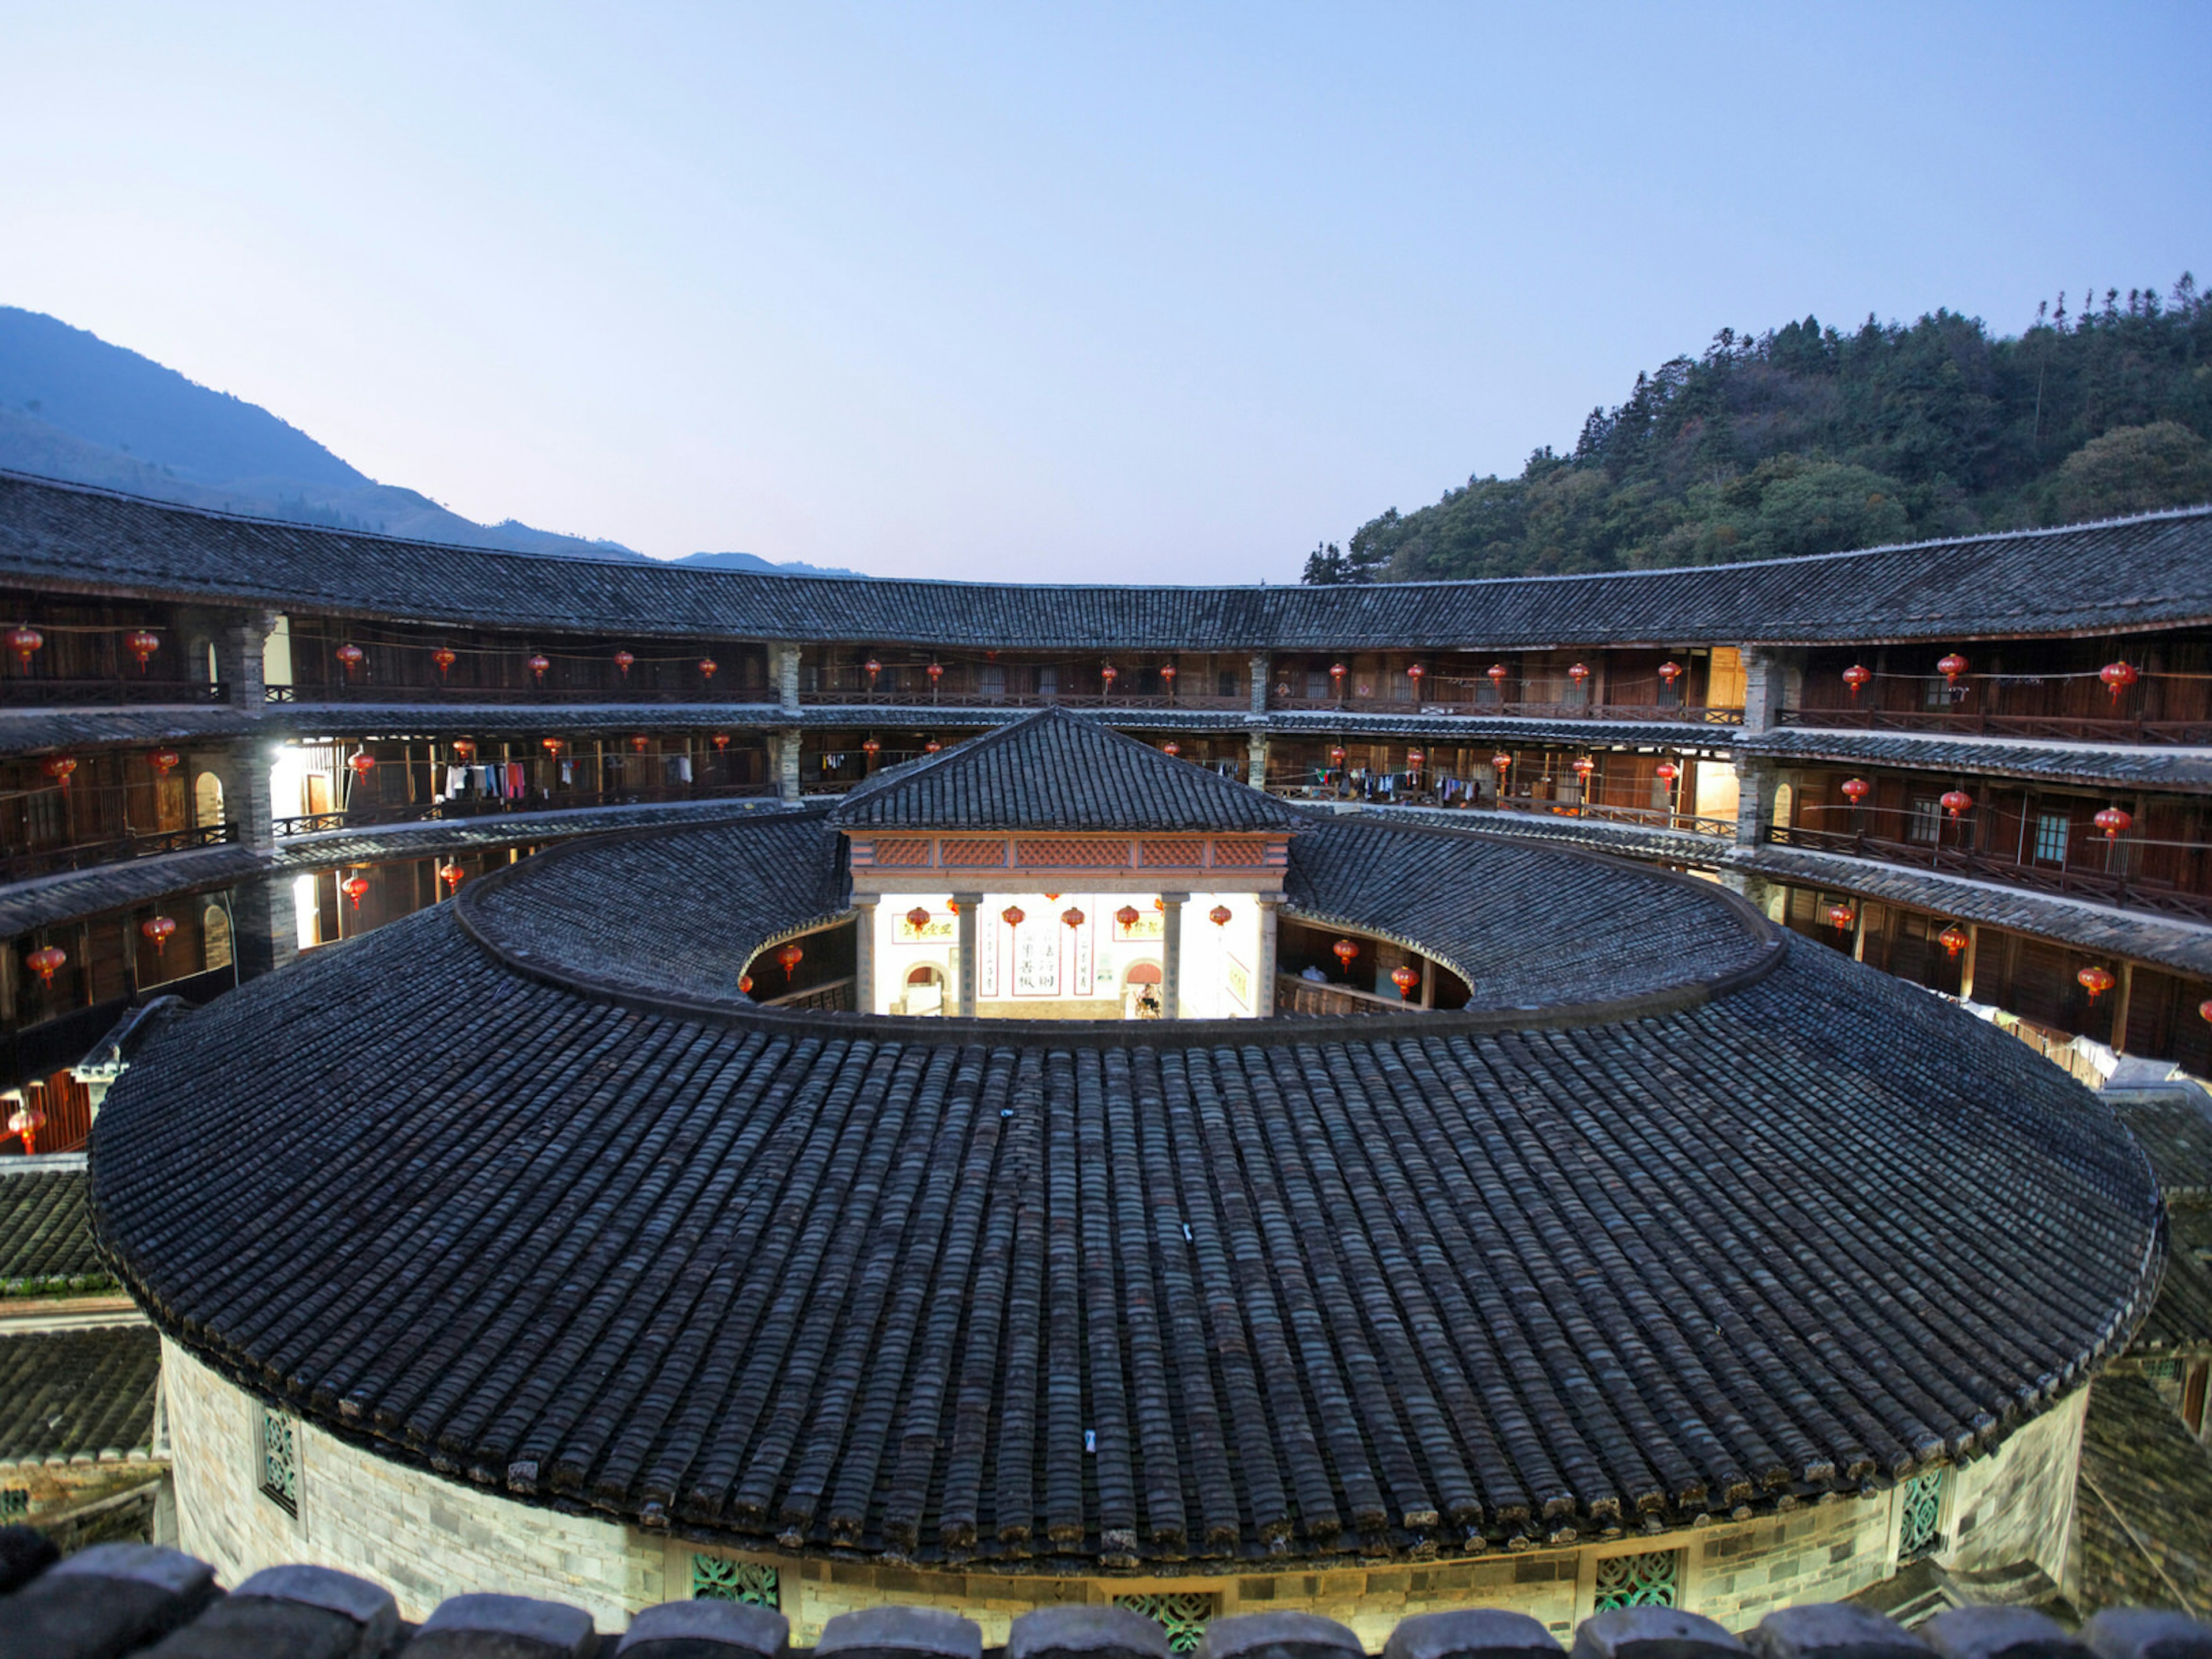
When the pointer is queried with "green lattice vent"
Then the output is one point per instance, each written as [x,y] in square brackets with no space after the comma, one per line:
[1920,1506]
[280,1460]
[1183,1617]
[718,1578]
[15,1502]
[1650,1580]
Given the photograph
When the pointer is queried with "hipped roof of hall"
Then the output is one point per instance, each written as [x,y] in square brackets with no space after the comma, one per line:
[2151,572]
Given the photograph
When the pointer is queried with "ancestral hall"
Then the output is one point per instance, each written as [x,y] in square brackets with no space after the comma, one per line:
[518,1245]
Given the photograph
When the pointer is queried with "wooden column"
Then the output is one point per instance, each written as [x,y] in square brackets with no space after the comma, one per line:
[1966,963]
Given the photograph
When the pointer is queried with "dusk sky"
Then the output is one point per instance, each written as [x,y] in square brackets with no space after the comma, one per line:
[1048,293]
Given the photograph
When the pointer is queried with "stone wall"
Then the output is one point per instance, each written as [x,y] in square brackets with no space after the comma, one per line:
[424,1537]
[430,1538]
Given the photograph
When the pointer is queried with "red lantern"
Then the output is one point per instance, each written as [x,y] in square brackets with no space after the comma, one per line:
[1415,673]
[1578,673]
[1840,917]
[1071,917]
[931,746]
[1857,676]
[143,644]
[1953,939]
[936,672]
[1405,978]
[537,665]
[1128,916]
[353,887]
[27,1120]
[874,668]
[1168,673]
[445,658]
[1170,749]
[59,767]
[2205,1009]
[360,762]
[1955,801]
[349,656]
[1855,790]
[788,958]
[24,640]
[158,929]
[917,919]
[1667,771]
[2096,980]
[45,962]
[744,985]
[452,875]
[164,760]
[870,748]
[1670,671]
[1413,759]
[1500,673]
[1337,670]
[1336,754]
[1345,950]
[1951,667]
[2114,821]
[721,740]
[707,667]
[1219,915]
[1504,762]
[640,742]
[1012,916]
[553,745]
[1109,674]
[623,660]
[465,749]
[1583,767]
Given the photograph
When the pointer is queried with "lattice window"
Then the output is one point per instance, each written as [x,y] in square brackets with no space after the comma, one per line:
[718,1578]
[1920,1504]
[1183,1617]
[2051,830]
[1651,1580]
[1239,853]
[972,854]
[15,1502]
[280,1460]
[1174,854]
[902,853]
[1072,854]
[1923,820]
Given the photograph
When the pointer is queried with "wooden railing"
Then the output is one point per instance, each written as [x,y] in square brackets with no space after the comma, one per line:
[833,996]
[1294,995]
[1697,714]
[754,697]
[968,697]
[2063,728]
[463,808]
[22,866]
[129,690]
[2126,892]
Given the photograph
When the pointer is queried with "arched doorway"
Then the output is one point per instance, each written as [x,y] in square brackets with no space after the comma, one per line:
[207,800]
[924,992]
[1140,991]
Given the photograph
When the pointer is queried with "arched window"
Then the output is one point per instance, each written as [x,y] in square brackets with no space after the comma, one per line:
[215,938]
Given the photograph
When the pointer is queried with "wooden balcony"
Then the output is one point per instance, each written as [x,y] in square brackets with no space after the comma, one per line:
[29,692]
[55,860]
[465,808]
[1699,714]
[1970,723]
[2102,887]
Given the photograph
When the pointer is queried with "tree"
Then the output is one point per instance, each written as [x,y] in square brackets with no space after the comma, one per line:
[2136,469]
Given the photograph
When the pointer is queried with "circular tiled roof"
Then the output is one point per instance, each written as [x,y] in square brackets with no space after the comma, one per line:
[1727,1222]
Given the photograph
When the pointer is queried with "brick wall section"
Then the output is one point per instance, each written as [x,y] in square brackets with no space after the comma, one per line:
[427,1538]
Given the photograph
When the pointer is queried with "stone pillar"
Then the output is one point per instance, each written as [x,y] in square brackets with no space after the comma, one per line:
[1756,782]
[864,953]
[265,927]
[786,764]
[239,641]
[971,906]
[1263,999]
[1260,668]
[1171,955]
[1255,763]
[786,676]
[1771,682]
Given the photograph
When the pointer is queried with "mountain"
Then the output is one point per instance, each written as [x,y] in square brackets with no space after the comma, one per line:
[1808,439]
[73,407]
[754,561]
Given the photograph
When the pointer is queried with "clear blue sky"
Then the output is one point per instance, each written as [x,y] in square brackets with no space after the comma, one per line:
[1047,292]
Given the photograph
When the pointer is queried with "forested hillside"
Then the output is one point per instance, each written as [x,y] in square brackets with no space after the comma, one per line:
[1806,440]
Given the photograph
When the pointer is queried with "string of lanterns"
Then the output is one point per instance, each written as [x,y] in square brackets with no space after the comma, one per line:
[26,641]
